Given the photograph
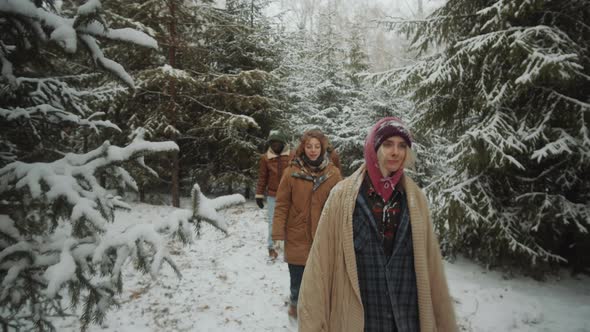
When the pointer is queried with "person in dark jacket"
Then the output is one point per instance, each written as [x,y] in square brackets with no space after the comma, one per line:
[272,164]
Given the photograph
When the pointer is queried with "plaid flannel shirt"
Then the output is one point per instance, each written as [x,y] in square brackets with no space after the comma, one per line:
[387,284]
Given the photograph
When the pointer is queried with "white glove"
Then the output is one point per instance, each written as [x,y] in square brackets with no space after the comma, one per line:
[279,245]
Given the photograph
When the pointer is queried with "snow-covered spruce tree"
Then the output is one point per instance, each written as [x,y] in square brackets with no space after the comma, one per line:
[319,92]
[223,90]
[323,78]
[510,92]
[174,24]
[366,103]
[357,58]
[242,53]
[55,216]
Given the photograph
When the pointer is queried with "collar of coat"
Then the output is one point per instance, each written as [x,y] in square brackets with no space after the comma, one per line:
[270,154]
[316,178]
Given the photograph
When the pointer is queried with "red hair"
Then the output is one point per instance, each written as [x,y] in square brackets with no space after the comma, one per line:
[314,133]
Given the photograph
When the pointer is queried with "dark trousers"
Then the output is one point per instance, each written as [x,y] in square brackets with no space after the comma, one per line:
[296,274]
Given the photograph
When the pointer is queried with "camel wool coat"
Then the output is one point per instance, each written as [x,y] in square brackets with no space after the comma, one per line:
[298,208]
[330,300]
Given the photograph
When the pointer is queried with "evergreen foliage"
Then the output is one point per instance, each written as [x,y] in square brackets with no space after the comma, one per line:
[55,207]
[324,81]
[508,91]
[223,103]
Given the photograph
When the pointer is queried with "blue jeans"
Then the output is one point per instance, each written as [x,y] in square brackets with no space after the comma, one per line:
[270,204]
[296,274]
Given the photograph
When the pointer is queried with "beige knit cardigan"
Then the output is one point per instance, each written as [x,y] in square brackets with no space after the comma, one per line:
[330,300]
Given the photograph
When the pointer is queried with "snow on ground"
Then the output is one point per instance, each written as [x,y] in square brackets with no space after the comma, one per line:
[228,285]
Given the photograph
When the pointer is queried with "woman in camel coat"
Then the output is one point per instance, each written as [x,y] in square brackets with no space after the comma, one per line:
[303,190]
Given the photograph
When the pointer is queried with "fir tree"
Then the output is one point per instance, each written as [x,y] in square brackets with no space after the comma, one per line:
[55,215]
[243,53]
[326,87]
[357,57]
[509,91]
[223,88]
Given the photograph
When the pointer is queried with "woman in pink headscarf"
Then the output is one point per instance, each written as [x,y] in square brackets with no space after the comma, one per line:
[375,263]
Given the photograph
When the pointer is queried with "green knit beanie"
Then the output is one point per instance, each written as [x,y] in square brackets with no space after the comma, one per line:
[276,135]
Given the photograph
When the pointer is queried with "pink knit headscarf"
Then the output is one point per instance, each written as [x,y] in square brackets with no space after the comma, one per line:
[384,185]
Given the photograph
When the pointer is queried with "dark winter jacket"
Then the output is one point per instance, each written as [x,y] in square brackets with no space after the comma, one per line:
[270,171]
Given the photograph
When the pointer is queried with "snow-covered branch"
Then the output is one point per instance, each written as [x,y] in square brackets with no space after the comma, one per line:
[203,209]
[500,139]
[50,114]
[108,64]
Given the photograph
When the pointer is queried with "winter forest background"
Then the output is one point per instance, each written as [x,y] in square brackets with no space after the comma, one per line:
[99,99]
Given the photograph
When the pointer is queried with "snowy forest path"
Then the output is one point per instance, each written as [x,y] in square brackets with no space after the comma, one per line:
[228,285]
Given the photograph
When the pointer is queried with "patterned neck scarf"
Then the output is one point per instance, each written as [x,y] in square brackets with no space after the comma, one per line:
[387,214]
[313,163]
[316,166]
[311,174]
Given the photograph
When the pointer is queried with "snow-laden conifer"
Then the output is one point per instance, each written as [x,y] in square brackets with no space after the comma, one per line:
[56,211]
[506,85]
[324,81]
[217,100]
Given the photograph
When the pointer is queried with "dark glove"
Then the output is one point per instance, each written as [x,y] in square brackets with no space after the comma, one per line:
[260,203]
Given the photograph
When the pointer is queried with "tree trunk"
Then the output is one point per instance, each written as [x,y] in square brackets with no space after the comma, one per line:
[420,9]
[175,181]
[252,13]
[141,189]
[175,169]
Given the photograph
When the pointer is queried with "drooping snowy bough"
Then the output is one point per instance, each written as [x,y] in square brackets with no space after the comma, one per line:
[53,234]
[203,209]
[55,209]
